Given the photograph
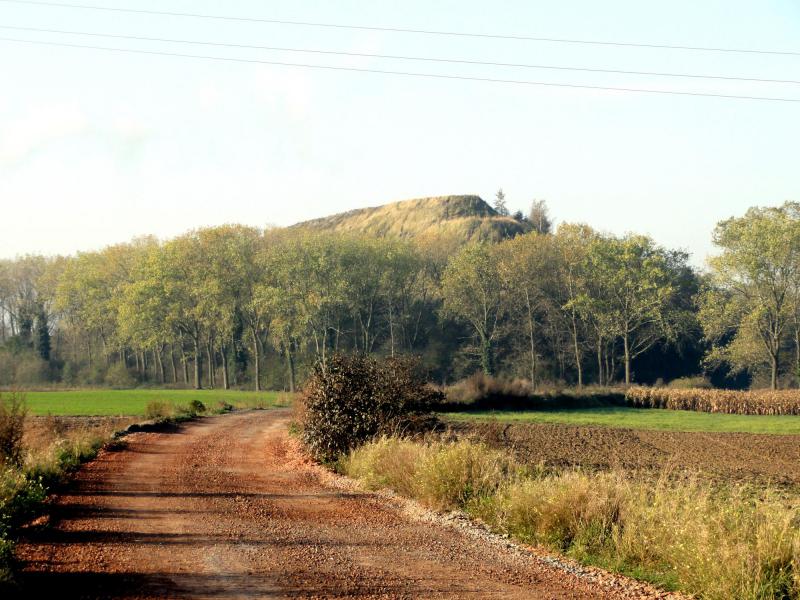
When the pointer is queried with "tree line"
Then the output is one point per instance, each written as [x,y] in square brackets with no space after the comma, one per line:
[236,306]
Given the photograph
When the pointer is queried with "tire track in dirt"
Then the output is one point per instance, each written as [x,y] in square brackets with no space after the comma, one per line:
[228,507]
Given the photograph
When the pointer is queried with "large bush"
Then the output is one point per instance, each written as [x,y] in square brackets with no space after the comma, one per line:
[350,399]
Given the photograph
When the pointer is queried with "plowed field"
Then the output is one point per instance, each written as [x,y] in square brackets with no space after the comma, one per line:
[741,457]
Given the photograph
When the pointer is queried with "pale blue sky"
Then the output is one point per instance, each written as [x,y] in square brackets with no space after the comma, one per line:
[96,148]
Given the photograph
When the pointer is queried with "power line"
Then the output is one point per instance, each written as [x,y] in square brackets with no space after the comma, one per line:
[405,30]
[404,73]
[402,57]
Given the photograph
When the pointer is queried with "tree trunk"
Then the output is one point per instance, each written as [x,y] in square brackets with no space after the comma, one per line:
[185,363]
[160,363]
[223,350]
[612,369]
[486,357]
[256,360]
[290,361]
[198,369]
[532,339]
[627,359]
[600,360]
[210,358]
[391,330]
[174,366]
[576,349]
[774,371]
[797,354]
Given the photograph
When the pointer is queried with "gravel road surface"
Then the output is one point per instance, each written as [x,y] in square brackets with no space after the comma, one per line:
[229,507]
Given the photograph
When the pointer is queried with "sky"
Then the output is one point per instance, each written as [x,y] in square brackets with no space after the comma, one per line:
[97,147]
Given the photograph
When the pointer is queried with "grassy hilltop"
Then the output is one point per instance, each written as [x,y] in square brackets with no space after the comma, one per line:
[465,218]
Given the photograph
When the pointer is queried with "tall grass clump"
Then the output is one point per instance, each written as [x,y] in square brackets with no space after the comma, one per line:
[462,474]
[51,463]
[445,476]
[157,410]
[571,512]
[387,462]
[711,542]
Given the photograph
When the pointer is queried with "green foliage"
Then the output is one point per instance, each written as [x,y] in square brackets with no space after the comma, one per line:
[350,399]
[447,279]
[197,407]
[500,203]
[634,293]
[12,428]
[752,303]
[96,402]
[639,418]
[539,217]
[42,335]
[20,496]
[472,291]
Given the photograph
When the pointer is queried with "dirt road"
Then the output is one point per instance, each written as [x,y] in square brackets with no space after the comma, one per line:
[227,507]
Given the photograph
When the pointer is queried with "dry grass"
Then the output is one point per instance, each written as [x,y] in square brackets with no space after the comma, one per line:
[479,386]
[445,476]
[465,218]
[56,445]
[717,544]
[756,402]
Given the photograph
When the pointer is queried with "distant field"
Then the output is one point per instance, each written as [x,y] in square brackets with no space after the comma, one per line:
[134,402]
[638,418]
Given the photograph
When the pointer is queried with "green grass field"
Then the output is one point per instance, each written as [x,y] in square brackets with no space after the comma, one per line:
[134,402]
[643,418]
